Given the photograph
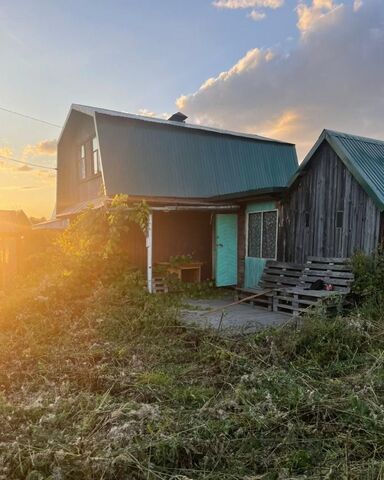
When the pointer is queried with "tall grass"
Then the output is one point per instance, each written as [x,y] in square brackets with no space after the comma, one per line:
[100,380]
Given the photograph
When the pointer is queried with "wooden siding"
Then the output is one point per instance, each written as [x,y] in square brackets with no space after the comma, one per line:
[325,187]
[70,188]
[184,233]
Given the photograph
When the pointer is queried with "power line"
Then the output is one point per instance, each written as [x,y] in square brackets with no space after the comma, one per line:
[10,159]
[30,117]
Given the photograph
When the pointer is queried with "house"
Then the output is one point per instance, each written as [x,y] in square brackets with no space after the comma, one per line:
[335,201]
[14,226]
[205,187]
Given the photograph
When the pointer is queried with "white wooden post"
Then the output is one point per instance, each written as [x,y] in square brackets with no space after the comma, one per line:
[149,240]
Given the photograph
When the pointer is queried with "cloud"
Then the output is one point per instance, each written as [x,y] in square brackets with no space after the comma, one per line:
[357,4]
[255,5]
[237,4]
[256,15]
[332,78]
[45,176]
[24,168]
[45,148]
[13,188]
[309,16]
[285,124]
[149,113]
[251,60]
[6,152]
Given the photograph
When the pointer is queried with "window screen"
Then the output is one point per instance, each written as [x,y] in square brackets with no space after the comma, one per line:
[262,229]
[254,234]
[269,234]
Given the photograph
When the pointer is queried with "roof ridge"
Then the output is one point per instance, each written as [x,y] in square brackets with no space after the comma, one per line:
[162,121]
[336,133]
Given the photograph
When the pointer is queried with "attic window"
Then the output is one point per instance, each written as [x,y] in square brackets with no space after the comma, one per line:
[82,162]
[95,156]
[339,219]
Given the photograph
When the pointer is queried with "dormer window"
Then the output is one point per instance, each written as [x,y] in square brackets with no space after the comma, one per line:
[95,156]
[82,163]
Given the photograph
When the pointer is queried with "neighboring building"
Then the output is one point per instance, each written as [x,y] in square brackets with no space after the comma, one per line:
[14,226]
[195,179]
[335,202]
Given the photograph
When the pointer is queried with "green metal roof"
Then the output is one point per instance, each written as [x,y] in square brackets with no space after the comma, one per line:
[364,158]
[160,158]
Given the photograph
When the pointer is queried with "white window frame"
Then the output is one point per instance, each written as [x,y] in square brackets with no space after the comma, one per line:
[261,236]
[96,170]
[83,162]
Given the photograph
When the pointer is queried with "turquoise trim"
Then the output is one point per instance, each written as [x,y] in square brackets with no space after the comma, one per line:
[226,249]
[254,266]
[260,207]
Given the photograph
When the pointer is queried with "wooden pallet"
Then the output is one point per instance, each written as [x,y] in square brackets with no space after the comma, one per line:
[297,299]
[159,285]
[276,276]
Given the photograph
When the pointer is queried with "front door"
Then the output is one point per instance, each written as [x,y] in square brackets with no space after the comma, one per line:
[226,249]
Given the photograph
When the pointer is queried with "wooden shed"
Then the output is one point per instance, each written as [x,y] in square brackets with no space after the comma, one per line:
[334,205]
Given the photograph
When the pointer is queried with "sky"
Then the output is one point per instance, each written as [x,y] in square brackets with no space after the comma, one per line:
[280,68]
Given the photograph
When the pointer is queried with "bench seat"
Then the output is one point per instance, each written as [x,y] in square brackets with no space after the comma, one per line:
[335,271]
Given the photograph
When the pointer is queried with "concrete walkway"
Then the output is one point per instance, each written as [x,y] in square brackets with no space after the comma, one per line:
[242,318]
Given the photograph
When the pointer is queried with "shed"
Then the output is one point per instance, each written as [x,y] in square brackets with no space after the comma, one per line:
[335,200]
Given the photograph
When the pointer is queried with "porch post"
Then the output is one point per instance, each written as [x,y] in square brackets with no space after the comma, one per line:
[149,241]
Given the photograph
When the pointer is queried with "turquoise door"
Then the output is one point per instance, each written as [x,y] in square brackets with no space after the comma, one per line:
[226,249]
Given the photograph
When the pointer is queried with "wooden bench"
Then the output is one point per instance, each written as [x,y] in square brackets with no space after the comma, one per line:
[334,271]
[276,277]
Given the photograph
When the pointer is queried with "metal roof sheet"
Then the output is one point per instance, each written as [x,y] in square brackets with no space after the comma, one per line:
[161,159]
[364,158]
[89,110]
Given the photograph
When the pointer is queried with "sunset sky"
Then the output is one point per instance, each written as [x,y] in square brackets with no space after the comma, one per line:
[281,68]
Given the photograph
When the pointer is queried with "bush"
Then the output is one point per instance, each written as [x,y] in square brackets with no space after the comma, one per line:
[369,275]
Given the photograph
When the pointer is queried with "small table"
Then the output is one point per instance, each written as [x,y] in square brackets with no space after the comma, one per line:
[186,272]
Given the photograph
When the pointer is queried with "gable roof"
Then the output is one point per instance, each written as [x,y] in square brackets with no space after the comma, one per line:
[153,157]
[362,156]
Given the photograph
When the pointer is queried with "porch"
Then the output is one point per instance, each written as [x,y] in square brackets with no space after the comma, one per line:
[236,319]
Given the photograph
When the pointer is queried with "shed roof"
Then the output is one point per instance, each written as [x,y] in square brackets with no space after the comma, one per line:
[364,158]
[153,157]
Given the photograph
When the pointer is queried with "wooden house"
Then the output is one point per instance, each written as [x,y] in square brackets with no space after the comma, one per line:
[335,201]
[198,181]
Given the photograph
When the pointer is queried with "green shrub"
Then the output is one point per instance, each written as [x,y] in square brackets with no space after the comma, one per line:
[369,275]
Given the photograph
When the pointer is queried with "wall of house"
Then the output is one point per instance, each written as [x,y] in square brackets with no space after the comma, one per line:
[307,216]
[71,189]
[184,233]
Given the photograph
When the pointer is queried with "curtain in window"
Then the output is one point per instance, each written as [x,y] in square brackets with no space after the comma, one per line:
[262,229]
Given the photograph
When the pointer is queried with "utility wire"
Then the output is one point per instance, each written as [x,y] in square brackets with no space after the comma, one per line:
[10,159]
[30,118]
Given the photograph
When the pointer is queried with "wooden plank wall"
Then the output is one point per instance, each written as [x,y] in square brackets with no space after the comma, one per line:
[184,233]
[326,187]
[70,188]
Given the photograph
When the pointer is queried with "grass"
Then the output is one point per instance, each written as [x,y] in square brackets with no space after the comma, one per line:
[108,384]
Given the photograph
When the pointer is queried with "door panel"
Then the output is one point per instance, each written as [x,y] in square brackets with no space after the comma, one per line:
[226,249]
